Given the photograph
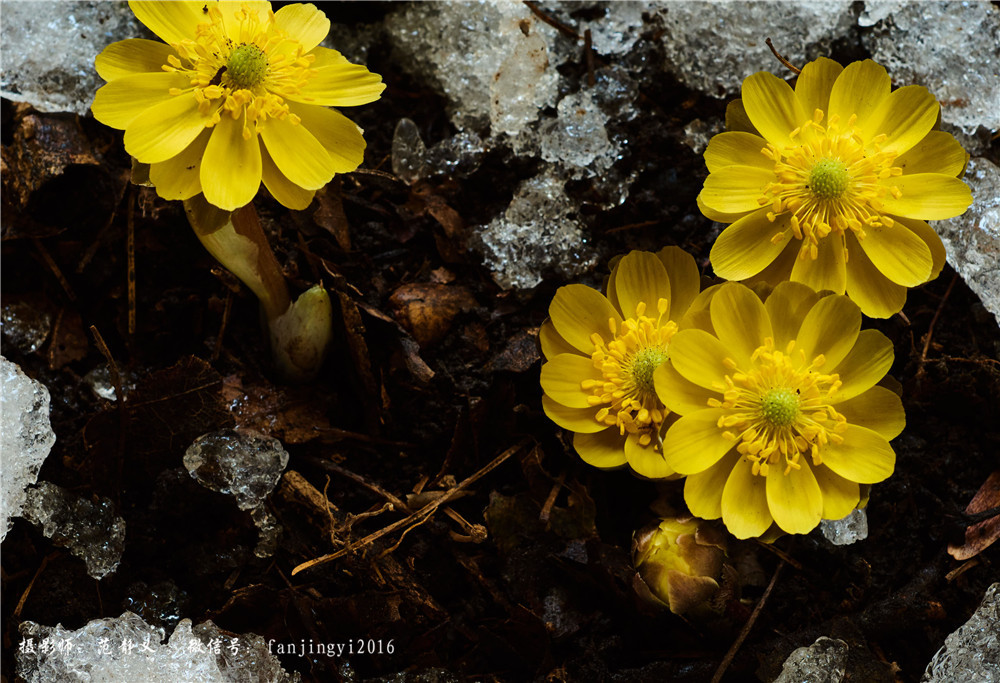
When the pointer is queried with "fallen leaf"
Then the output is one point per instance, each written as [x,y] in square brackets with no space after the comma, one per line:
[427,309]
[980,535]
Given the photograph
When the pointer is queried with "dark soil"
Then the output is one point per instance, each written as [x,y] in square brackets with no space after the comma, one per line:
[433,375]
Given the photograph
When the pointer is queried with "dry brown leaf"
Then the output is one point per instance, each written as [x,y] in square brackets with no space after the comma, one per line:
[980,535]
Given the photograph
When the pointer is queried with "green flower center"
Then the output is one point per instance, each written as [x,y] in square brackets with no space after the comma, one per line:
[644,365]
[828,178]
[247,66]
[779,407]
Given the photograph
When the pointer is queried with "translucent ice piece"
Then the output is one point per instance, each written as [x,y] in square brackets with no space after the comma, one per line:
[850,529]
[577,137]
[408,152]
[972,653]
[26,437]
[91,531]
[129,649]
[26,326]
[822,662]
[240,463]
[48,50]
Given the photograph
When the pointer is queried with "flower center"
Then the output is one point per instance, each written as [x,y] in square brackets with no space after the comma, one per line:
[626,394]
[247,66]
[778,408]
[829,182]
[246,71]
[828,178]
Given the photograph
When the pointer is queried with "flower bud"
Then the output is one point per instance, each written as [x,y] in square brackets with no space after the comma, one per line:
[678,563]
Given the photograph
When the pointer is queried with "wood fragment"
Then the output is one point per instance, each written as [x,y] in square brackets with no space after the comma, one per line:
[54,267]
[552,21]
[921,370]
[417,517]
[794,69]
[16,616]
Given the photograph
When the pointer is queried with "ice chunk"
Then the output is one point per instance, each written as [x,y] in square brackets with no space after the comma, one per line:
[850,529]
[47,50]
[972,240]
[951,48]
[459,155]
[712,47]
[698,133]
[90,530]
[237,462]
[269,531]
[822,662]
[972,653]
[162,604]
[408,152]
[26,437]
[490,59]
[538,232]
[577,137]
[25,325]
[616,32]
[100,382]
[129,649]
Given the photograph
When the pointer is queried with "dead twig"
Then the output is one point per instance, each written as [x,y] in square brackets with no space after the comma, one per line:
[728,659]
[788,65]
[552,21]
[54,267]
[396,502]
[770,547]
[116,381]
[930,328]
[551,500]
[31,584]
[414,518]
[130,224]
[588,55]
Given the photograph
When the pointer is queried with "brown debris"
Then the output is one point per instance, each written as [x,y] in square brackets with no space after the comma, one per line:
[981,535]
[428,309]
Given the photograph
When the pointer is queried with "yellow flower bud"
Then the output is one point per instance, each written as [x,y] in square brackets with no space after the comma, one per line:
[678,563]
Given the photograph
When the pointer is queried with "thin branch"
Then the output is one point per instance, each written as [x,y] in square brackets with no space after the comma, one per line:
[788,65]
[728,659]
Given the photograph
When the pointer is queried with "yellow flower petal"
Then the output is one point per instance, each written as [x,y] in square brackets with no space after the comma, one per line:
[229,10]
[831,328]
[699,357]
[303,23]
[859,89]
[787,308]
[281,188]
[341,138]
[840,496]
[938,152]
[132,56]
[899,254]
[685,280]
[695,442]
[745,248]
[773,108]
[813,86]
[877,409]
[572,419]
[927,196]
[864,456]
[734,189]
[718,216]
[905,117]
[297,153]
[930,238]
[740,321]
[577,311]
[337,82]
[744,503]
[736,148]
[604,449]
[640,277]
[552,343]
[780,269]
[561,378]
[877,295]
[678,394]
[231,167]
[163,131]
[703,491]
[170,21]
[794,499]
[179,177]
[828,270]
[864,366]
[120,102]
[737,119]
[699,315]
[646,461]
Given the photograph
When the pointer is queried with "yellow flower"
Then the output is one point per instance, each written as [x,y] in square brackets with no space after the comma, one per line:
[830,184]
[239,94]
[602,353]
[678,563]
[781,416]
